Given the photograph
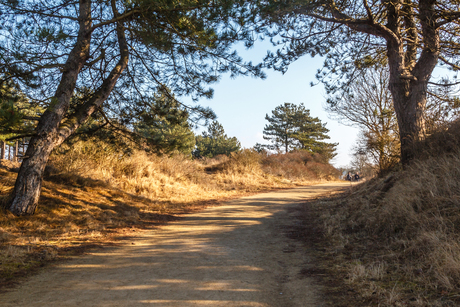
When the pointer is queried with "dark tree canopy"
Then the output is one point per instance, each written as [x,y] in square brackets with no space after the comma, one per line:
[215,142]
[17,114]
[291,127]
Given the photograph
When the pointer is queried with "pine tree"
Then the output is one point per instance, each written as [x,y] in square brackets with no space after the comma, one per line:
[165,124]
[18,117]
[291,127]
[215,142]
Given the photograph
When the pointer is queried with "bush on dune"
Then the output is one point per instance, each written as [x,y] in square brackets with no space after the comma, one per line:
[299,164]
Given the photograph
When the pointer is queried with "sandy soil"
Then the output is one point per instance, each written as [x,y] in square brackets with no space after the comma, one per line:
[232,255]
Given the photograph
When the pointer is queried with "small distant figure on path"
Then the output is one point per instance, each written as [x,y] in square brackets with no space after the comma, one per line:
[349,176]
[357,176]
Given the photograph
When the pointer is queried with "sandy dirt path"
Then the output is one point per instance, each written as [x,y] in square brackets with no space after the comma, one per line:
[232,255]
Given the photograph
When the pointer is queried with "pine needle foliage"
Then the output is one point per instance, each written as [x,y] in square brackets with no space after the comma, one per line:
[292,128]
[215,142]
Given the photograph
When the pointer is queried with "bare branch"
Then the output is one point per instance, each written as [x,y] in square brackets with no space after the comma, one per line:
[313,34]
[17,9]
[116,19]
[360,25]
[100,57]
[439,97]
[456,67]
[31,118]
[444,84]
[368,10]
[448,17]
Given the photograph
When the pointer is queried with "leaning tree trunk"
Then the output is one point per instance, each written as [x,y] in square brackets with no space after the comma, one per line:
[51,130]
[28,183]
[24,198]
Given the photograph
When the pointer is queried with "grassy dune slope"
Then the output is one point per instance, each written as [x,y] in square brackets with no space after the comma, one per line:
[90,196]
[395,241]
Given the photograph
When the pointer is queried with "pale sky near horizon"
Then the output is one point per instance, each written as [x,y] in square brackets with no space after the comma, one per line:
[242,103]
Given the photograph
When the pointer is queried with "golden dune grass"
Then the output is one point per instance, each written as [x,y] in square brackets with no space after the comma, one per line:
[92,194]
[398,238]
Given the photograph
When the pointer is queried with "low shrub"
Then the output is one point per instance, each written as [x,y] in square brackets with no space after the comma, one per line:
[299,165]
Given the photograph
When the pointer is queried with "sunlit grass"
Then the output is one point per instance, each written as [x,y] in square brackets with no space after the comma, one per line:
[88,200]
[398,238]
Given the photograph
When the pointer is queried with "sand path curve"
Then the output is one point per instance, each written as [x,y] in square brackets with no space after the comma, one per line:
[236,254]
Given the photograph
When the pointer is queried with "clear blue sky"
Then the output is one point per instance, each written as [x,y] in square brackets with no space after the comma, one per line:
[241,104]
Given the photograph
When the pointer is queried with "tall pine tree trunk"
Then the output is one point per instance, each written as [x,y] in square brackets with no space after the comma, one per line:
[28,183]
[52,130]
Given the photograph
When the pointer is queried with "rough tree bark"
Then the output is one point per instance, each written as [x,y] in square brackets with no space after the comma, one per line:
[52,130]
[2,150]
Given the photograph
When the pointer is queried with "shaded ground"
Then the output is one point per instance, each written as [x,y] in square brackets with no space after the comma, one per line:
[237,254]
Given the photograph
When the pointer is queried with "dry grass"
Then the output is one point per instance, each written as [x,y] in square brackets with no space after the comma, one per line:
[93,195]
[396,240]
[299,164]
